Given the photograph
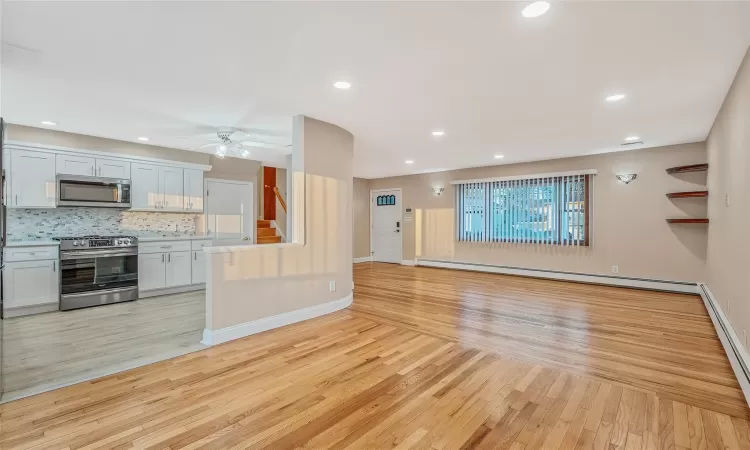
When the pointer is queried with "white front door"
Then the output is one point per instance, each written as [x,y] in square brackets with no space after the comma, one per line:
[386,225]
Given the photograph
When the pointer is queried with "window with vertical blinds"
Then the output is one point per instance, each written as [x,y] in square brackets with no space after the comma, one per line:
[552,210]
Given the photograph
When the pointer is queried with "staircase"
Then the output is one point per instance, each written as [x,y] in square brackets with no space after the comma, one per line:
[266,233]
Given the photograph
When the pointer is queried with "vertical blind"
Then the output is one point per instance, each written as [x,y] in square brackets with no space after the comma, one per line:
[554,210]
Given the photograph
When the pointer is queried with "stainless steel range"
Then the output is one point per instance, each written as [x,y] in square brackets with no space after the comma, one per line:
[97,270]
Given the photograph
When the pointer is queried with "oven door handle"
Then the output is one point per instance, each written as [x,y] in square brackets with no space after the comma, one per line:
[97,253]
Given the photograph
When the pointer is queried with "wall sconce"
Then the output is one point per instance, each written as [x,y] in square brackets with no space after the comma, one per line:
[437,191]
[627,177]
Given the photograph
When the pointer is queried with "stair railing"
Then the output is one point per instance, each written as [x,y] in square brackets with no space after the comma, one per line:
[278,196]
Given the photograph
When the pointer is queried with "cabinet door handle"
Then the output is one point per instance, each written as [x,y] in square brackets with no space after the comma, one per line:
[54,266]
[169,257]
[16,199]
[195,256]
[166,246]
[162,257]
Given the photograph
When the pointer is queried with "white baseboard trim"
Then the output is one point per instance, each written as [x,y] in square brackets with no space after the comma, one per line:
[362,259]
[408,262]
[641,283]
[29,310]
[174,290]
[736,353]
[214,337]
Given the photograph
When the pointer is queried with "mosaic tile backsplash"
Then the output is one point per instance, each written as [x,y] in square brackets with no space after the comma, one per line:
[30,224]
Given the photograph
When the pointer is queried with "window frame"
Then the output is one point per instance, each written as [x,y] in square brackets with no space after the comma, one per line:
[486,234]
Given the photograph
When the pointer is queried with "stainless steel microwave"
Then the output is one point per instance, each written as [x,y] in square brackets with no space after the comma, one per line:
[79,190]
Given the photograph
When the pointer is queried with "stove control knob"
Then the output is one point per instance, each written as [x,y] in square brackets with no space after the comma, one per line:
[75,243]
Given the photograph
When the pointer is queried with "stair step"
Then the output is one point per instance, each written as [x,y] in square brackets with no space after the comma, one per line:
[264,224]
[268,240]
[266,232]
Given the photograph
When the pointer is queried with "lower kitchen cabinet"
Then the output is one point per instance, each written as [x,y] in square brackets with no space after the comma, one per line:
[199,267]
[152,271]
[171,264]
[178,269]
[30,283]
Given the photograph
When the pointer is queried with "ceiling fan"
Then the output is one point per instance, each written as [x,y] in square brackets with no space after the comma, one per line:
[235,141]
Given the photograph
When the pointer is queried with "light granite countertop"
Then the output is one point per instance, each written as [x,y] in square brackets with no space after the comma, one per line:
[30,242]
[157,237]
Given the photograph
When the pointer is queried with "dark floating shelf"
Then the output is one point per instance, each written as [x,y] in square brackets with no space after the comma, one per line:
[692,168]
[690,194]
[687,220]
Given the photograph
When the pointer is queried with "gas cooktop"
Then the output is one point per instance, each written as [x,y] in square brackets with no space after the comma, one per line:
[95,241]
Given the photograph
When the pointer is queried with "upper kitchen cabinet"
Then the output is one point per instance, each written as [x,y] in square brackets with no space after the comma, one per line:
[112,168]
[95,167]
[171,189]
[76,165]
[155,184]
[144,186]
[193,190]
[157,188]
[32,180]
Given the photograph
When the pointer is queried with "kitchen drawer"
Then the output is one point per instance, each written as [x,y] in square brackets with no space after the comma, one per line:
[37,253]
[198,245]
[163,247]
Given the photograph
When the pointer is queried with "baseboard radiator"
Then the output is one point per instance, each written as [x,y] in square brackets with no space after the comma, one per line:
[736,353]
[640,283]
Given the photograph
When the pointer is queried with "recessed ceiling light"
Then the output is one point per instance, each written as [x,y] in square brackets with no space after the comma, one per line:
[615,97]
[143,138]
[438,133]
[535,9]
[409,161]
[499,156]
[342,85]
[50,123]
[632,138]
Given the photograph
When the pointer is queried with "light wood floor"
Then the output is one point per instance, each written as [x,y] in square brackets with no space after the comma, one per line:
[46,351]
[425,358]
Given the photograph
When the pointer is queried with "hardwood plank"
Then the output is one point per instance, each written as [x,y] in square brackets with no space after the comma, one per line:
[425,358]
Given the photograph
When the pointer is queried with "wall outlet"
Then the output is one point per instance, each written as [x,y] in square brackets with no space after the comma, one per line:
[332,286]
[615,269]
[726,200]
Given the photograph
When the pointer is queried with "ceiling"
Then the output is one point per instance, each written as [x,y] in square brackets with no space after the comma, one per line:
[495,82]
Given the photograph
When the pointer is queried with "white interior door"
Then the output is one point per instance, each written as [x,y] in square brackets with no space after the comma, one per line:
[386,225]
[229,210]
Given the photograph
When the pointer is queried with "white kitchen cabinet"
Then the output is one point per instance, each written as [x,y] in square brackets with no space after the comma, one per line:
[198,267]
[112,168]
[76,165]
[144,186]
[30,283]
[193,189]
[171,188]
[152,269]
[32,176]
[171,264]
[178,269]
